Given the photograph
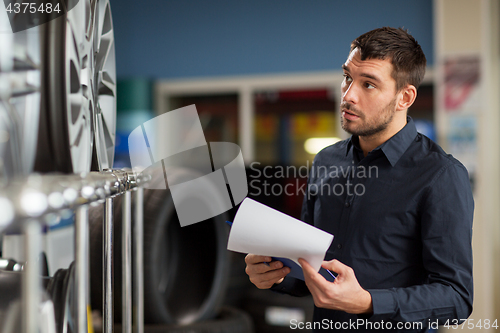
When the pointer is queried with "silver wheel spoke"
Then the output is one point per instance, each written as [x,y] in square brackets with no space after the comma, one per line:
[107,86]
[107,45]
[78,115]
[76,102]
[107,102]
[101,127]
[105,74]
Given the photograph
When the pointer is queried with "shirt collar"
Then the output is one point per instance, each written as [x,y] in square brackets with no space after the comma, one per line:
[395,147]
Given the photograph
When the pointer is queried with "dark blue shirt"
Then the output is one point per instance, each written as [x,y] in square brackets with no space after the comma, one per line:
[402,219]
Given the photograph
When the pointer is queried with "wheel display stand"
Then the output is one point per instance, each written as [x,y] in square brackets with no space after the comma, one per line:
[30,201]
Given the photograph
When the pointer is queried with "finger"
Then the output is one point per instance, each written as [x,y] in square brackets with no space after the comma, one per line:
[266,280]
[256,259]
[336,266]
[313,278]
[265,267]
[307,268]
[309,278]
[309,272]
[262,268]
[275,275]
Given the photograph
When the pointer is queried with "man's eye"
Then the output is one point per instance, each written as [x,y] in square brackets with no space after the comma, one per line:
[369,85]
[347,78]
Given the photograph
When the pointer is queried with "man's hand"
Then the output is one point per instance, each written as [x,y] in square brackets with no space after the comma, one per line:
[264,275]
[343,294]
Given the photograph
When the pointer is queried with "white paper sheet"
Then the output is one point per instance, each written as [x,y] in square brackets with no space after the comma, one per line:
[261,230]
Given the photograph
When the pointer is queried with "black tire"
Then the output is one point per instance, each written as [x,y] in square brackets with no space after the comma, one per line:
[56,95]
[185,269]
[60,290]
[96,215]
[55,289]
[229,320]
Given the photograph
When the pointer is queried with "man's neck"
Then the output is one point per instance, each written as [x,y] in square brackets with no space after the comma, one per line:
[368,143]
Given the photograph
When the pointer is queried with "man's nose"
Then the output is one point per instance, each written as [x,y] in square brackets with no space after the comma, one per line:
[351,94]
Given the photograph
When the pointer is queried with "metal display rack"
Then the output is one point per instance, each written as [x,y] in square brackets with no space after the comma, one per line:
[29,202]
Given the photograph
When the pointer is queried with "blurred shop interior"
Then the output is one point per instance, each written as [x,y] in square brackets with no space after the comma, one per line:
[266,75]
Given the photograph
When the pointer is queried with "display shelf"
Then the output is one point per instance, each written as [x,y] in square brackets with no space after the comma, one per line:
[29,203]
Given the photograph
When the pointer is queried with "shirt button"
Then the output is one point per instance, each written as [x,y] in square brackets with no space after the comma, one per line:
[339,246]
[347,204]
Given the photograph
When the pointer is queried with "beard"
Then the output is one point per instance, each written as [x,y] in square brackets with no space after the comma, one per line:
[373,126]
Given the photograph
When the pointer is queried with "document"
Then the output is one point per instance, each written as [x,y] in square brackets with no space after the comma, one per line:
[261,230]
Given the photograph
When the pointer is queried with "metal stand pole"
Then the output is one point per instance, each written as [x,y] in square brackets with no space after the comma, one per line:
[31,279]
[107,267]
[126,264]
[81,271]
[139,260]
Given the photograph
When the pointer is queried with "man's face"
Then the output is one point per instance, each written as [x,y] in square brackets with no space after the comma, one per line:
[368,95]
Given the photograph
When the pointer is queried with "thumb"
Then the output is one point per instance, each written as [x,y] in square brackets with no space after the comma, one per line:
[336,266]
[307,268]
[305,265]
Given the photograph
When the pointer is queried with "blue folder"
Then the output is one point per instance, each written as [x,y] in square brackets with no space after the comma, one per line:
[296,270]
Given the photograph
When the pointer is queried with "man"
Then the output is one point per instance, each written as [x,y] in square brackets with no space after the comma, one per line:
[402,241]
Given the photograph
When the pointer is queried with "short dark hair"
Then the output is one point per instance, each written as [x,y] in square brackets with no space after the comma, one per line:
[408,59]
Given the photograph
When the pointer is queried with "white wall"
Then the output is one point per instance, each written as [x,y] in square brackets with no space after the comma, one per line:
[465,28]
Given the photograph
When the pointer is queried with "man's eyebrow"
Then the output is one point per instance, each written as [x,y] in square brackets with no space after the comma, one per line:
[367,75]
[373,77]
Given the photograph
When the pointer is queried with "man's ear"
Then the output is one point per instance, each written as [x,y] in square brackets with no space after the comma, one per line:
[407,97]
